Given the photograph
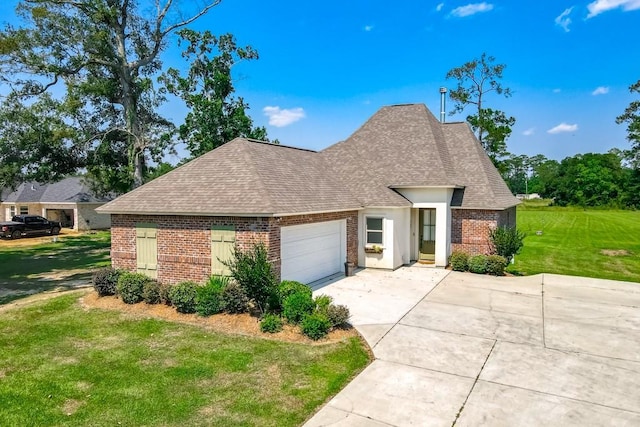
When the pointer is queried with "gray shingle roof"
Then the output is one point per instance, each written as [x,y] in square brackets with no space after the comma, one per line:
[68,190]
[406,146]
[399,146]
[242,177]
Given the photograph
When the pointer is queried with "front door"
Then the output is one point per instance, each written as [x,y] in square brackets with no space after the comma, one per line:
[427,230]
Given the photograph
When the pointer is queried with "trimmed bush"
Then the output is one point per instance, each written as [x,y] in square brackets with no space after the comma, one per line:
[338,315]
[459,261]
[506,241]
[163,291]
[253,272]
[209,296]
[496,265]
[105,281]
[130,287]
[234,299]
[183,296]
[271,323]
[296,306]
[478,264]
[288,287]
[151,292]
[315,326]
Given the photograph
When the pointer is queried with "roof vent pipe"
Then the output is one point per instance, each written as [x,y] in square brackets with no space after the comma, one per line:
[443,93]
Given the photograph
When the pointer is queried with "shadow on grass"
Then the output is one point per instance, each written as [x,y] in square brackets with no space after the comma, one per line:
[66,264]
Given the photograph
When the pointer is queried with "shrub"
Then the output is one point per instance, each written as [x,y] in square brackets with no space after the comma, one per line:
[105,281]
[288,287]
[130,286]
[209,296]
[253,272]
[315,325]
[183,296]
[338,315]
[478,264]
[496,265]
[506,241]
[163,291]
[151,292]
[322,303]
[459,261]
[271,323]
[234,298]
[296,306]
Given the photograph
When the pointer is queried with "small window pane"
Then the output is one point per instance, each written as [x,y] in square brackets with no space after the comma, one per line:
[374,237]
[374,224]
[24,210]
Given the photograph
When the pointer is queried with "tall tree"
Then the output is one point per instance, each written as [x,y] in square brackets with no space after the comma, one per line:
[631,117]
[103,54]
[475,79]
[215,115]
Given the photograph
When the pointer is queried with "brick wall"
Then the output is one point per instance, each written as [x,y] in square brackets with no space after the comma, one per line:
[184,242]
[470,229]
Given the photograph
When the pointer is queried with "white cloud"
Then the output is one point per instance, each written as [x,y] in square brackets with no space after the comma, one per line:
[439,7]
[281,117]
[529,132]
[599,6]
[472,9]
[600,90]
[563,19]
[563,127]
[557,90]
[368,28]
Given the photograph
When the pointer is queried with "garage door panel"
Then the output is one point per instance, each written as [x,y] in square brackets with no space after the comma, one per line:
[312,251]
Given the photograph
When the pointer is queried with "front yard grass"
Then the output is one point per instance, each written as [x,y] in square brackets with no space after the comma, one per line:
[603,244]
[64,364]
[31,268]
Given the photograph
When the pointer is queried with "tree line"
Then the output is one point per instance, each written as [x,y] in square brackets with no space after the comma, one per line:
[82,83]
[592,179]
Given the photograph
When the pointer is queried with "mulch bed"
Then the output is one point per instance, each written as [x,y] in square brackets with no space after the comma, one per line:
[235,324]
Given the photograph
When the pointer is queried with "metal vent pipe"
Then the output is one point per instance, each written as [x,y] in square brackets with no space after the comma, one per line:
[443,113]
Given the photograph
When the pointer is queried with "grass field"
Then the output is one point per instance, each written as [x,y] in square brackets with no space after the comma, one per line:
[593,243]
[62,364]
[29,266]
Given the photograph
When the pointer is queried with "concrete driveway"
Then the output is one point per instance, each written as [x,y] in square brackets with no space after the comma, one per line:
[467,350]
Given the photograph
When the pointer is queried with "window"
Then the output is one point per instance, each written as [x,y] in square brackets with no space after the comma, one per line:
[374,231]
[24,210]
[12,211]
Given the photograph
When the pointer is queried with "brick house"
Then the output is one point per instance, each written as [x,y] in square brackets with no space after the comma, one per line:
[404,187]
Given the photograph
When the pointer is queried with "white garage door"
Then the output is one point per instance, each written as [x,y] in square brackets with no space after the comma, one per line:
[312,251]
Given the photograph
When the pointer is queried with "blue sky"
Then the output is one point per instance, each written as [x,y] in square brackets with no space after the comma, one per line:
[325,67]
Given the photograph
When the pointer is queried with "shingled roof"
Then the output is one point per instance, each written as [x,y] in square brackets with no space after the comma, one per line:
[399,146]
[68,190]
[242,177]
[406,146]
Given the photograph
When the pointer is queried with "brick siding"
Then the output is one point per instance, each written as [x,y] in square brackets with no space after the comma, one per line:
[184,242]
[470,228]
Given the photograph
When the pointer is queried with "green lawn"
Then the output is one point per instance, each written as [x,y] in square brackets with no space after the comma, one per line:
[61,364]
[25,270]
[593,243]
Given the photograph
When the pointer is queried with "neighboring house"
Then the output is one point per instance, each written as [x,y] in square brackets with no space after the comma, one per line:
[404,187]
[69,201]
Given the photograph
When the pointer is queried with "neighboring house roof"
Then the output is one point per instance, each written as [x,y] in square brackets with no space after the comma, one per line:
[242,177]
[399,146]
[68,190]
